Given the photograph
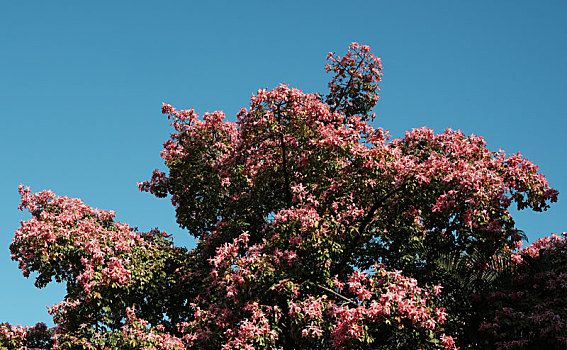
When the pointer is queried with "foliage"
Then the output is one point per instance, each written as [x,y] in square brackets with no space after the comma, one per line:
[15,337]
[315,231]
[529,307]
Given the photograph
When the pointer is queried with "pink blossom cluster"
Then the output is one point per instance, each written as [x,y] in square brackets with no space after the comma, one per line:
[13,335]
[103,246]
[16,337]
[547,242]
[354,87]
[337,313]
[84,247]
[340,315]
[137,330]
[385,297]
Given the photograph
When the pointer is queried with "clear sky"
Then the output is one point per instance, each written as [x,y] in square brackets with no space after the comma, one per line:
[81,86]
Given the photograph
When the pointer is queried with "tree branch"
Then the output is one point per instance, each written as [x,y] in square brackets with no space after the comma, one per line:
[344,93]
[345,299]
[347,253]
[375,207]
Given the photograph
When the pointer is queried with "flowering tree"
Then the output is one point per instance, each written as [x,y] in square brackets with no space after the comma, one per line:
[315,230]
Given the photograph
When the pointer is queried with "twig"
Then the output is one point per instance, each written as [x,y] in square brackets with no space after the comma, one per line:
[336,294]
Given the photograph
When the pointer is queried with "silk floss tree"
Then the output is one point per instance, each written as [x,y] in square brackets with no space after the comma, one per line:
[315,230]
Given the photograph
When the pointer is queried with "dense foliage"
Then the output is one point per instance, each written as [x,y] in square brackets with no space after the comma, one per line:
[529,307]
[315,230]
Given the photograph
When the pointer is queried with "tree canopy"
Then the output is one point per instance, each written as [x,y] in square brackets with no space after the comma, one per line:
[315,229]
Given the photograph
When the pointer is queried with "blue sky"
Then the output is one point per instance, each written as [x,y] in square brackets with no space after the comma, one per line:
[81,86]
